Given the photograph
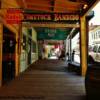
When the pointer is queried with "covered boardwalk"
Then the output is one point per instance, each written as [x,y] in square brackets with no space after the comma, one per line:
[42,81]
[23,76]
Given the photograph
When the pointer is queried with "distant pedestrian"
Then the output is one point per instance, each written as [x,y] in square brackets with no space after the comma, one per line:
[73,54]
[62,56]
[67,56]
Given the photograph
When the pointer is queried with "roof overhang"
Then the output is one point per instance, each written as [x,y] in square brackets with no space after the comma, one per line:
[58,6]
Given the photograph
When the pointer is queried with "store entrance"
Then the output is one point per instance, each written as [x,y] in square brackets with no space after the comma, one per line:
[8,62]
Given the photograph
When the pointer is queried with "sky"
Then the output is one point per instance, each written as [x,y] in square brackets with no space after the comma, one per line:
[96,19]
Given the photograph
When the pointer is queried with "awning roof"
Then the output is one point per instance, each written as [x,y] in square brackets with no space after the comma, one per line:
[59,6]
[52,6]
[62,6]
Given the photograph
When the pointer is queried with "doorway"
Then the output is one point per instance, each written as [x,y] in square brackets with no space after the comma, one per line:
[8,63]
[29,51]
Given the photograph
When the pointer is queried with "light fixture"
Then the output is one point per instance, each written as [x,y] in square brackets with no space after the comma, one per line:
[85,6]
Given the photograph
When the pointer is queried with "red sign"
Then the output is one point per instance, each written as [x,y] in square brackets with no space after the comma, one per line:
[14,16]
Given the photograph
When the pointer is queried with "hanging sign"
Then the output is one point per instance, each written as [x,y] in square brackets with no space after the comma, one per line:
[50,17]
[16,16]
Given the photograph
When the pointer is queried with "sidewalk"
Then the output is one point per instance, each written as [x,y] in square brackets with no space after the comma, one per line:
[36,84]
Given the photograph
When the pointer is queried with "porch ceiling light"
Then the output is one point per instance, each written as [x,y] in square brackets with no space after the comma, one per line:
[85,6]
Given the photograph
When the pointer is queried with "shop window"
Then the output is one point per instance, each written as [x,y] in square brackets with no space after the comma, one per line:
[24,42]
[95,49]
[30,32]
[99,49]
[99,34]
[33,47]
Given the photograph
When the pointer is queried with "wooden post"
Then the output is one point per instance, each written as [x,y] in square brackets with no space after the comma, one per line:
[1,46]
[70,48]
[83,44]
[17,57]
[18,49]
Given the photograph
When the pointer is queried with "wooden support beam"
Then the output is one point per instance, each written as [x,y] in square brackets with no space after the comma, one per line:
[42,2]
[66,5]
[83,44]
[70,3]
[39,9]
[81,1]
[39,5]
[1,46]
[20,3]
[24,3]
[52,8]
[58,8]
[10,4]
[51,25]
[17,53]
[53,5]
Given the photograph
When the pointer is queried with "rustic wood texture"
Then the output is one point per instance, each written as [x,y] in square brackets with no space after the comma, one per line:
[42,81]
[66,6]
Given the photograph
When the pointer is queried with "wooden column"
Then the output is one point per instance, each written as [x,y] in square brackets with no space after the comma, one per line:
[18,49]
[1,46]
[83,44]
[70,48]
[17,57]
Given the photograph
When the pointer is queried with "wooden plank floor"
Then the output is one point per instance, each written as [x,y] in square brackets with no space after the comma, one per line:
[45,83]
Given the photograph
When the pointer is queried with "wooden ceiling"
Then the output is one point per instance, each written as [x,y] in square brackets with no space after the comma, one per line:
[60,6]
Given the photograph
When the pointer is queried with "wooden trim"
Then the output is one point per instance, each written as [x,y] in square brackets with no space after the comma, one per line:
[56,25]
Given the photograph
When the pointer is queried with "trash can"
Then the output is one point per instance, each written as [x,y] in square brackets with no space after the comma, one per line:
[92,80]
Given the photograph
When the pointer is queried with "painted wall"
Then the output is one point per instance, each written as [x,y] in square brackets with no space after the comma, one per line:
[23,56]
[34,38]
[24,52]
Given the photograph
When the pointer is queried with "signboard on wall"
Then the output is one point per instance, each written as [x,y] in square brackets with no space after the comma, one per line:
[16,16]
[50,17]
